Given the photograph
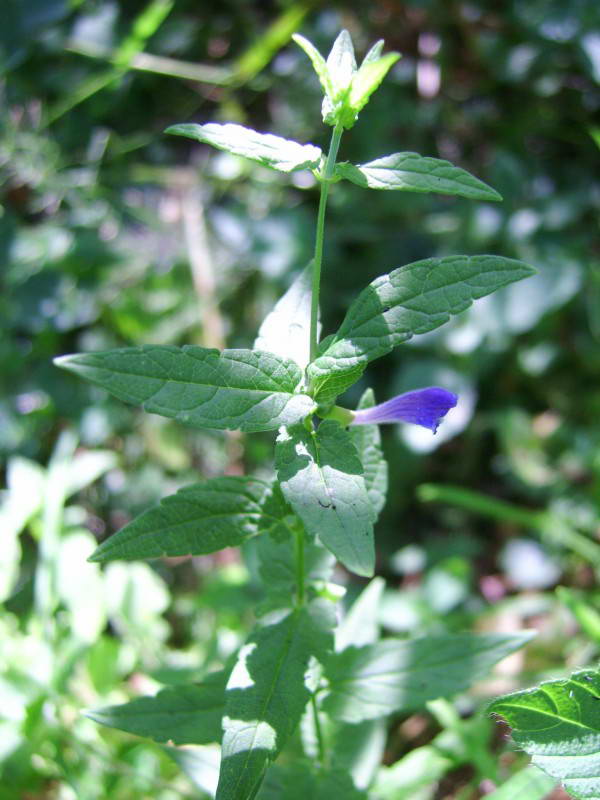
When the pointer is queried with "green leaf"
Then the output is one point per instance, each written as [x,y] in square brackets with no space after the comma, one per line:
[360,625]
[285,330]
[266,695]
[410,172]
[188,714]
[357,750]
[341,68]
[528,784]
[558,725]
[318,62]
[244,389]
[265,148]
[413,299]
[321,477]
[368,78]
[367,439]
[300,781]
[341,64]
[402,675]
[199,519]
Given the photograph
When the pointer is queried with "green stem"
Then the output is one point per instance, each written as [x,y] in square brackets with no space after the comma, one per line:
[326,177]
[299,553]
[318,730]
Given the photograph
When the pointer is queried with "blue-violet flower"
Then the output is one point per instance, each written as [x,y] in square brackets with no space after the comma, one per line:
[425,407]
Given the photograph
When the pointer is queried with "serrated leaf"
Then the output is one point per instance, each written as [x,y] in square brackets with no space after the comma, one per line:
[199,519]
[368,78]
[187,714]
[318,62]
[321,477]
[367,439]
[558,725]
[265,148]
[285,330]
[402,675]
[413,299]
[266,695]
[199,386]
[411,172]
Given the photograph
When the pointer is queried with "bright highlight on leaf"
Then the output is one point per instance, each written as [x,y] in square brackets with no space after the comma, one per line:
[269,150]
[321,477]
[558,725]
[413,299]
[410,172]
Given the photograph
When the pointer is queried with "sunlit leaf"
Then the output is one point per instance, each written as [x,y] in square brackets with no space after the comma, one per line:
[368,78]
[269,150]
[410,172]
[285,330]
[558,725]
[321,477]
[199,386]
[413,299]
[266,695]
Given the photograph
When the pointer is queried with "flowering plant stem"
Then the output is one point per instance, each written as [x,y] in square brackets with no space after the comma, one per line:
[325,178]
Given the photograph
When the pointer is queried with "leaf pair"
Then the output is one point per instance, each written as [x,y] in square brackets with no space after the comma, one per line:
[347,89]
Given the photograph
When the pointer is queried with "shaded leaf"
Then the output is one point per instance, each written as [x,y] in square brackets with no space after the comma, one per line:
[321,477]
[360,625]
[528,784]
[558,725]
[266,695]
[301,781]
[269,150]
[411,172]
[413,299]
[367,439]
[402,675]
[199,519]
[180,714]
[200,386]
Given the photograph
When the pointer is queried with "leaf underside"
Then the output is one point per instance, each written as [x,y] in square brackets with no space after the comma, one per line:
[558,725]
[265,148]
[199,386]
[411,300]
[367,440]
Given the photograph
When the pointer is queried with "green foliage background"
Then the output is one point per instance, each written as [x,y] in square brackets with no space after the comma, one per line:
[112,234]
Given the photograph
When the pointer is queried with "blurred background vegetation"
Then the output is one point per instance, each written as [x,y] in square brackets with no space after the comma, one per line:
[113,234]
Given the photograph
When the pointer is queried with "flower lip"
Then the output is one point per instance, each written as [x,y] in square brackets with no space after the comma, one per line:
[425,407]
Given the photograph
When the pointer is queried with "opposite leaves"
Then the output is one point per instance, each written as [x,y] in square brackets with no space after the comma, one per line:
[249,390]
[410,300]
[321,477]
[410,172]
[204,518]
[266,696]
[558,724]
[269,150]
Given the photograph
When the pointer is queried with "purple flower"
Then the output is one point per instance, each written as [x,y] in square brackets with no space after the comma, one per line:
[426,407]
